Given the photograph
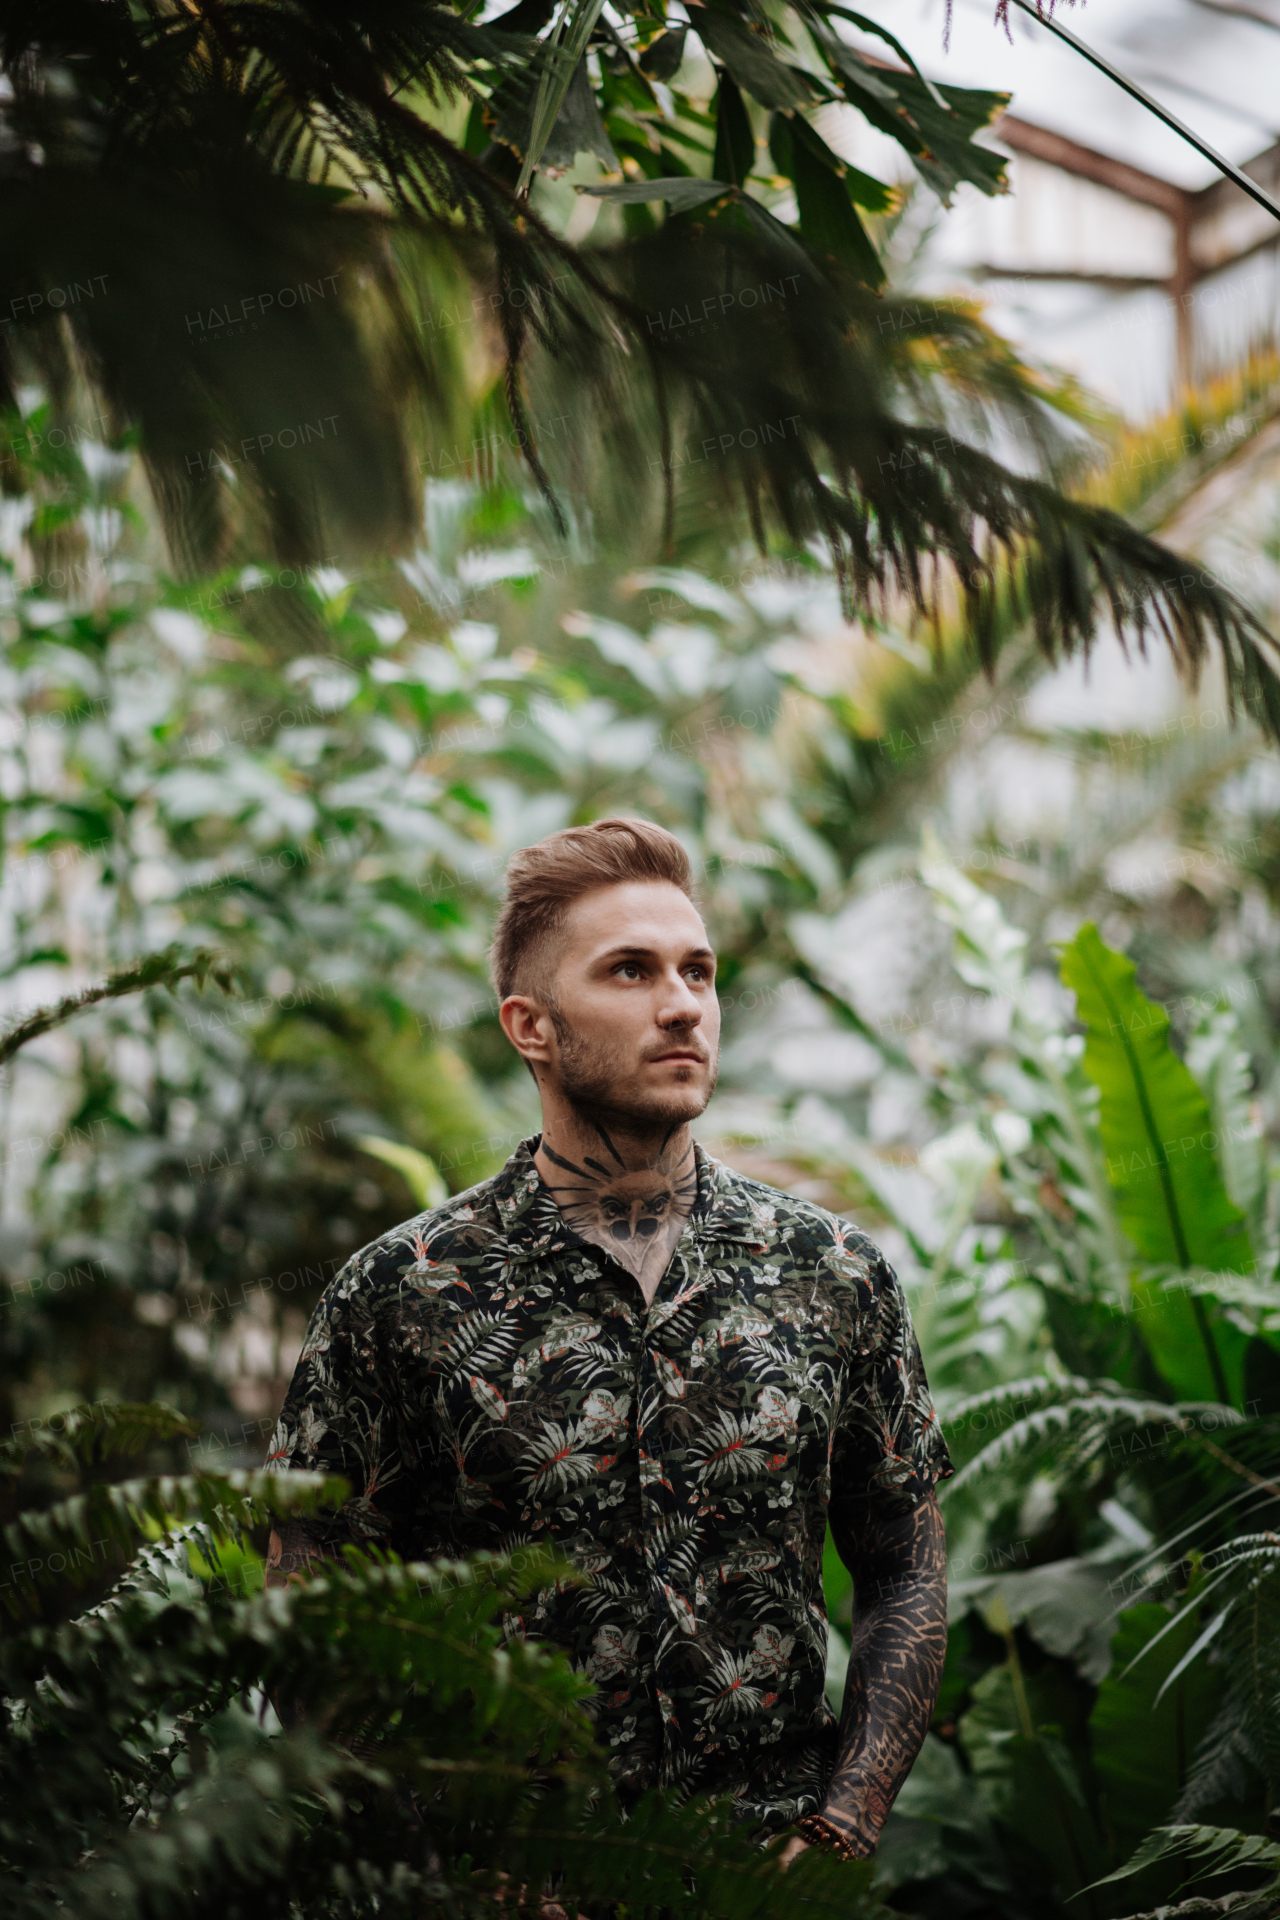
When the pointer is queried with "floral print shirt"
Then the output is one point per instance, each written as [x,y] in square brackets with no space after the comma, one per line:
[485,1379]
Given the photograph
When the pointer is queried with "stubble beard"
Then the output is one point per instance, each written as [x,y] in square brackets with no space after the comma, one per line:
[595,1081]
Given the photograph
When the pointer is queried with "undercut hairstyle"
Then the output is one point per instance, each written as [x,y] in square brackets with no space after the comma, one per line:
[544,880]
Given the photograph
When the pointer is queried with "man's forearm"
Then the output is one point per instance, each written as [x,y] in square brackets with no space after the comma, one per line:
[291,1555]
[895,1667]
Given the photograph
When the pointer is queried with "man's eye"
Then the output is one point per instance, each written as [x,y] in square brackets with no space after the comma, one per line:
[629,970]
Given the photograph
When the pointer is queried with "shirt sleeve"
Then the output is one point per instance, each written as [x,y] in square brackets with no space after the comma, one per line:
[339,1417]
[888,1448]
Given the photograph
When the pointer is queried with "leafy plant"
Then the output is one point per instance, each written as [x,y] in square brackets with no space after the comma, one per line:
[144,1773]
[1170,1193]
[1210,1852]
[156,970]
[1092,1138]
[319,774]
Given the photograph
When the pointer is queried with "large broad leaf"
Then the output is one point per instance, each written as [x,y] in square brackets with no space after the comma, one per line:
[1018,1737]
[939,1830]
[1224,1072]
[1141,1747]
[1067,1608]
[936,125]
[1162,1164]
[949,154]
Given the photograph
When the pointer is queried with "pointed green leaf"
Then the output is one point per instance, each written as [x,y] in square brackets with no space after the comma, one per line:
[1156,1123]
[828,220]
[661,58]
[1160,1144]
[1223,1069]
[418,1170]
[735,153]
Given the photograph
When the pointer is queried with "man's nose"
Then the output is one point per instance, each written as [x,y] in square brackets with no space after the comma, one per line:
[681,1007]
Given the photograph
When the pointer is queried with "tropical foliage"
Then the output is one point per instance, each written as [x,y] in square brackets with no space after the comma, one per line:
[318,774]
[246,229]
[144,1771]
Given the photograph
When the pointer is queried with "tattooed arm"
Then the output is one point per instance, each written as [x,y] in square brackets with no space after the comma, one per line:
[898,1563]
[291,1555]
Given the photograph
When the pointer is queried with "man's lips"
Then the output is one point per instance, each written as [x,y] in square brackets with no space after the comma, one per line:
[685,1053]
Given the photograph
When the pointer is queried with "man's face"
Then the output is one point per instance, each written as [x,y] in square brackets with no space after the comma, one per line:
[636,1020]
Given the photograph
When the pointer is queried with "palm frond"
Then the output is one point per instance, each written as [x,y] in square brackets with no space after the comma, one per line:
[212,161]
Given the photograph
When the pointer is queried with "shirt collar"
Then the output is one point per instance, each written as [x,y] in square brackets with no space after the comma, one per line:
[533,1227]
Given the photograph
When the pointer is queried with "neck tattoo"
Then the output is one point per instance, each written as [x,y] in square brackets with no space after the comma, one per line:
[636,1211]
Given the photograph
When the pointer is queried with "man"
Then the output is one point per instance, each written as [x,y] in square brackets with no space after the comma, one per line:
[677,1376]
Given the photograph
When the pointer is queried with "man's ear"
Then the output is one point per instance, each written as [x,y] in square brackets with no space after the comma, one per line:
[530,1029]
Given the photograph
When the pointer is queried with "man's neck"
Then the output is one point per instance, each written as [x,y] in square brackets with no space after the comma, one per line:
[628,1192]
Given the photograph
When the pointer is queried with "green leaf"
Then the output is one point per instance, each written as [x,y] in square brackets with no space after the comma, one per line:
[561,62]
[949,155]
[88,1433]
[866,192]
[1224,1072]
[1159,1139]
[1217,1849]
[679,193]
[828,220]
[936,125]
[882,33]
[1028,1781]
[1142,1746]
[749,59]
[66,1541]
[940,1829]
[418,1170]
[1067,1607]
[579,127]
[661,58]
[735,151]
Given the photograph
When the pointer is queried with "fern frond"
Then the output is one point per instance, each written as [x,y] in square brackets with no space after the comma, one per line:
[1088,1414]
[407,1661]
[1220,1769]
[68,1541]
[1207,1850]
[91,1433]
